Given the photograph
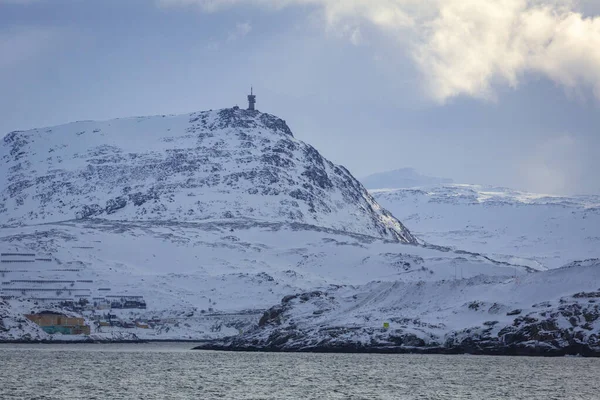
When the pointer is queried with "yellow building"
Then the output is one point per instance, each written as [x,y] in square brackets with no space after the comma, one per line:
[59,323]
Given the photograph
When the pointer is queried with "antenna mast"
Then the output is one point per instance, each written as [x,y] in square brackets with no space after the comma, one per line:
[251,99]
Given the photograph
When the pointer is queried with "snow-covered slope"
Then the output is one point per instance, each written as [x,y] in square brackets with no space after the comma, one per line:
[190,227]
[210,279]
[213,165]
[541,231]
[553,312]
[14,326]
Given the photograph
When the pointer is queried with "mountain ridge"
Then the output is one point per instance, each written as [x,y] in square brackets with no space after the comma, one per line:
[227,163]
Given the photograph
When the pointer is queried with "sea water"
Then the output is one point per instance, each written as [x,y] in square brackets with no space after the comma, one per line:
[174,371]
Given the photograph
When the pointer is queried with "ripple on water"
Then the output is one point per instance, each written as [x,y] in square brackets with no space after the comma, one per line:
[172,371]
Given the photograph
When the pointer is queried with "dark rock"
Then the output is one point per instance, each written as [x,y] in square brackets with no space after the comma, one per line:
[113,205]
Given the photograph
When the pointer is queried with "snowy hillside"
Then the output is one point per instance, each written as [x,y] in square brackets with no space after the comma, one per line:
[205,280]
[537,230]
[214,165]
[193,227]
[553,312]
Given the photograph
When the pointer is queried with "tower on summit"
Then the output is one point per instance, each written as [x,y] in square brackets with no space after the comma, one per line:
[251,99]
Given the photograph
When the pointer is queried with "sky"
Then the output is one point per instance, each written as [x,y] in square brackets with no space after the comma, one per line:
[495,92]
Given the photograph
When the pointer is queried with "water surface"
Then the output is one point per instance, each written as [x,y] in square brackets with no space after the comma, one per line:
[172,371]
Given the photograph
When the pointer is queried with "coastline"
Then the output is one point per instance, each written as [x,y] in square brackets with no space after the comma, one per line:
[524,351]
[212,345]
[99,341]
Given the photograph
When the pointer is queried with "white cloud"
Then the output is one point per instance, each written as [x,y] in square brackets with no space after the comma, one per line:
[467,47]
[356,37]
[473,44]
[242,29]
[387,13]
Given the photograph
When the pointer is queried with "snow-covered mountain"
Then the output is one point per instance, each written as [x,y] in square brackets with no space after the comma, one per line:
[195,226]
[213,165]
[206,217]
[541,231]
[401,178]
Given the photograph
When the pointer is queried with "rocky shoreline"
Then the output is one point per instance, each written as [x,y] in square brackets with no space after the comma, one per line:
[344,320]
[541,350]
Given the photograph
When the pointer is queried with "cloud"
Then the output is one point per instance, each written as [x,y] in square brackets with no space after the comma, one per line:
[242,29]
[472,45]
[386,13]
[356,37]
[469,47]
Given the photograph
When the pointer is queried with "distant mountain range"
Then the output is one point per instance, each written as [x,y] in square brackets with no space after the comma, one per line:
[540,231]
[401,178]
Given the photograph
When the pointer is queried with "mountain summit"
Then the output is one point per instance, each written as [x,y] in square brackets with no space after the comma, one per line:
[228,164]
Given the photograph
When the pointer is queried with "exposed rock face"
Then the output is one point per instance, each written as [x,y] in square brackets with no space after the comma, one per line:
[225,164]
[530,335]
